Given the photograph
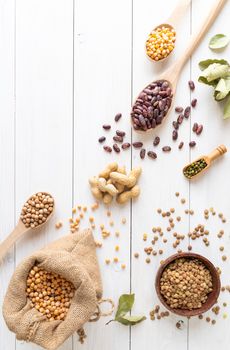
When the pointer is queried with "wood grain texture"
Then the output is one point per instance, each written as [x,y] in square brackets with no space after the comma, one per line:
[71,66]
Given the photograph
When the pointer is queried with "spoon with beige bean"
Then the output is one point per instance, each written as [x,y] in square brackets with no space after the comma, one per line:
[36,211]
[154,102]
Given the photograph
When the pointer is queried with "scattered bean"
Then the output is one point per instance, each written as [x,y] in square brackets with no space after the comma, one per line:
[174,135]
[179,109]
[192,144]
[166,149]
[199,129]
[195,127]
[156,141]
[142,153]
[181,144]
[137,144]
[102,139]
[107,149]
[194,102]
[191,85]
[106,126]
[117,117]
[152,155]
[187,112]
[118,138]
[120,133]
[116,148]
[125,145]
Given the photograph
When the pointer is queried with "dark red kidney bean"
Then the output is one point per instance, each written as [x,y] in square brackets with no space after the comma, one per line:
[181,144]
[179,109]
[102,139]
[194,102]
[191,84]
[120,133]
[174,135]
[175,125]
[187,112]
[107,149]
[199,129]
[137,144]
[116,148]
[195,126]
[118,138]
[142,153]
[152,105]
[156,141]
[125,145]
[152,155]
[192,143]
[166,149]
[117,117]
[180,119]
[106,126]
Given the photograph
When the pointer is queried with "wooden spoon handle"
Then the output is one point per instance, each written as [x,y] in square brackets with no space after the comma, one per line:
[219,151]
[19,230]
[178,12]
[196,38]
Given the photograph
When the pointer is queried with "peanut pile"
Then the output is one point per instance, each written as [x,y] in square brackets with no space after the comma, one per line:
[113,182]
[37,209]
[49,293]
[186,283]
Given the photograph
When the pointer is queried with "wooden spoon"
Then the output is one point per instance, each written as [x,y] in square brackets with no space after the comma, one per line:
[216,153]
[19,231]
[172,22]
[172,74]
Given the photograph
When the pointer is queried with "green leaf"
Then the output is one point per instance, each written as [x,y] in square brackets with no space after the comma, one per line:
[125,304]
[131,320]
[222,89]
[216,71]
[204,80]
[227,109]
[204,64]
[218,41]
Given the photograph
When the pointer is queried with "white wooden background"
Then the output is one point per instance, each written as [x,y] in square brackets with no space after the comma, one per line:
[66,68]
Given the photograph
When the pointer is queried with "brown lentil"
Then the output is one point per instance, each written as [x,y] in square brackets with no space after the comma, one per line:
[181,293]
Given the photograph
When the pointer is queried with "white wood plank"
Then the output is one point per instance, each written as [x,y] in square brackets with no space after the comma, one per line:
[160,180]
[44,68]
[211,190]
[102,88]
[6,152]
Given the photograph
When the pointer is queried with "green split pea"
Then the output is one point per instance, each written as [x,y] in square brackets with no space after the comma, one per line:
[194,168]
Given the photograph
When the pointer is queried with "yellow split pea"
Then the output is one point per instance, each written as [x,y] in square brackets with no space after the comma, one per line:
[160,43]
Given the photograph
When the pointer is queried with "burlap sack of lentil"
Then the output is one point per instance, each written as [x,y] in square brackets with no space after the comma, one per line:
[74,258]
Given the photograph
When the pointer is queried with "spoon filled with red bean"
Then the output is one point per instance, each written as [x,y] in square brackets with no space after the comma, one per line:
[153,103]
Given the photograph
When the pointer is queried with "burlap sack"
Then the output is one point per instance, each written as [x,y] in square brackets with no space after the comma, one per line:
[73,257]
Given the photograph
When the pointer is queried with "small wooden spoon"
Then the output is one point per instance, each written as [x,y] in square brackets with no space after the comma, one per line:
[216,153]
[172,22]
[18,232]
[172,74]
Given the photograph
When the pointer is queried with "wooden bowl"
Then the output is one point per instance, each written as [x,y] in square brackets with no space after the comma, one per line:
[212,297]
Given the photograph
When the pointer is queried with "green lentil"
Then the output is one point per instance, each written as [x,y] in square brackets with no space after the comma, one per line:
[194,168]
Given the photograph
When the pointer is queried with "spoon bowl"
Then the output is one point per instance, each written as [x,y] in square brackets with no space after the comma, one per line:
[161,26]
[20,229]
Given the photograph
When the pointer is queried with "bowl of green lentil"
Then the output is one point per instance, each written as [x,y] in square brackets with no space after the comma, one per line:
[187,284]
